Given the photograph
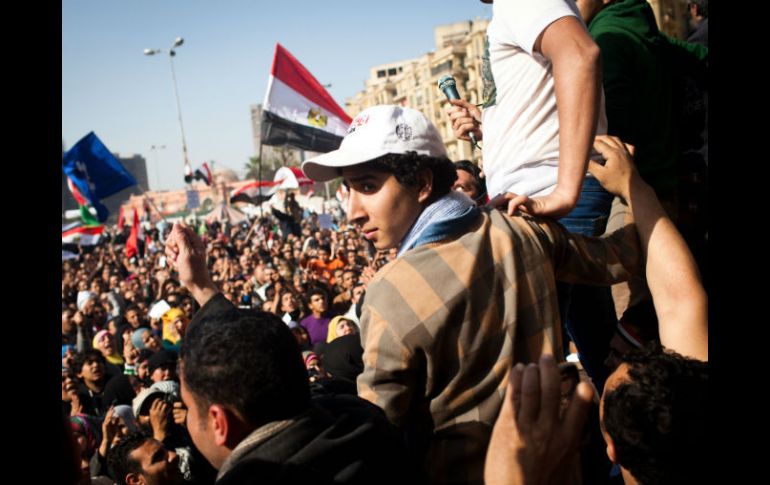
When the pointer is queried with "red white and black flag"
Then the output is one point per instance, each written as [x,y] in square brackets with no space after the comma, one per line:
[298,111]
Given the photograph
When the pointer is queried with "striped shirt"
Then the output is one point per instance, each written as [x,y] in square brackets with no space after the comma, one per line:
[443,324]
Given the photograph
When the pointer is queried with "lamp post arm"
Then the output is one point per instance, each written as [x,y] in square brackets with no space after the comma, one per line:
[178,107]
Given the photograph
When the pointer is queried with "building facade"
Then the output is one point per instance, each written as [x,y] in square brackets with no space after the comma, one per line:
[413,83]
[459,52]
[172,203]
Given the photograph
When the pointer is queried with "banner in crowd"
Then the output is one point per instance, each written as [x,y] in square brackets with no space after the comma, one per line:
[298,111]
[285,178]
[95,172]
[77,233]
[203,175]
[132,243]
[250,192]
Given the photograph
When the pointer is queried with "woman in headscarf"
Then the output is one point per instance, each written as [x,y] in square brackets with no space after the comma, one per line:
[338,327]
[174,326]
[104,342]
[86,434]
[143,338]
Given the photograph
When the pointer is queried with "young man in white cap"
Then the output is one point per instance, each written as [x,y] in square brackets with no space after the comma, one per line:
[472,290]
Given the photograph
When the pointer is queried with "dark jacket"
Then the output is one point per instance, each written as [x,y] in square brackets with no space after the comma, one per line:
[340,439]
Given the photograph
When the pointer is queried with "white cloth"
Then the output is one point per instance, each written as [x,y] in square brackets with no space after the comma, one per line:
[83,297]
[521,131]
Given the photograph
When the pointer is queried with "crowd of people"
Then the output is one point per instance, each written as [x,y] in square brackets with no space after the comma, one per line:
[421,334]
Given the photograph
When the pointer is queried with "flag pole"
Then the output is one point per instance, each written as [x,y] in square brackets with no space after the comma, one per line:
[149,199]
[261,214]
[251,229]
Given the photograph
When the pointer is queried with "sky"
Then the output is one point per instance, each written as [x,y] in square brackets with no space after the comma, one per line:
[127,98]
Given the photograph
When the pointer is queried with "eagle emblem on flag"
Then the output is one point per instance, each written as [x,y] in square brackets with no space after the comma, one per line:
[316,117]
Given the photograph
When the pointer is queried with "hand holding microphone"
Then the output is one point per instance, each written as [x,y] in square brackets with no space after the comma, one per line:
[465,116]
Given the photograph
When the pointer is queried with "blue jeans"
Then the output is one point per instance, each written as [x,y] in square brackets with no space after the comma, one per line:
[588,312]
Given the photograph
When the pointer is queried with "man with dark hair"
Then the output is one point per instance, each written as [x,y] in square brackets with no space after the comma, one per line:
[348,280]
[317,323]
[469,182]
[470,291]
[89,367]
[655,418]
[653,412]
[141,460]
[699,21]
[324,265]
[356,294]
[250,411]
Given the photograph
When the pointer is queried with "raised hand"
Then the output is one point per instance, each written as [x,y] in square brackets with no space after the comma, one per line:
[530,443]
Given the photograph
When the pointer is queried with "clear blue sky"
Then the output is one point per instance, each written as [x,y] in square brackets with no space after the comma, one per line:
[111,88]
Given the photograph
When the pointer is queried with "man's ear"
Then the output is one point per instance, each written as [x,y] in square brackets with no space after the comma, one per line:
[134,479]
[611,453]
[424,184]
[223,424]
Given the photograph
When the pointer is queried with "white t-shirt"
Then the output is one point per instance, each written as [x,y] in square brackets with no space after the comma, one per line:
[521,130]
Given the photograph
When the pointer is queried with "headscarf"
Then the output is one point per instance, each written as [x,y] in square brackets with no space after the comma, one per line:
[310,359]
[64,349]
[126,413]
[169,332]
[331,333]
[83,297]
[136,337]
[85,425]
[114,357]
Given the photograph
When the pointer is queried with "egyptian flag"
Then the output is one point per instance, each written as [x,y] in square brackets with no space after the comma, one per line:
[298,111]
[250,192]
[203,175]
[77,233]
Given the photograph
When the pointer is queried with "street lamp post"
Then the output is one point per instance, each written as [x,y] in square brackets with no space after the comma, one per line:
[171,53]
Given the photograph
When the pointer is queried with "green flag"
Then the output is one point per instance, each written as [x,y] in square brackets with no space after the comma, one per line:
[88,218]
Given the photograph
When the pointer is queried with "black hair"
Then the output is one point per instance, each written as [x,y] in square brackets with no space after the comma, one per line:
[658,418]
[406,167]
[317,290]
[702,7]
[248,361]
[471,168]
[86,356]
[119,460]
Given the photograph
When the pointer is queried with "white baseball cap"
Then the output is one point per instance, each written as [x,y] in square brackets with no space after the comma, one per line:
[375,132]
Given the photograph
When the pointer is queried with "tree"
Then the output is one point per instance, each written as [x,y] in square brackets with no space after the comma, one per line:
[252,168]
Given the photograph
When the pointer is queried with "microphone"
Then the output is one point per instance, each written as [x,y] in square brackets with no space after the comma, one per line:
[448,86]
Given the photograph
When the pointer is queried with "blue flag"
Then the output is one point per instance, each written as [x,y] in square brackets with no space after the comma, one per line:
[95,172]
